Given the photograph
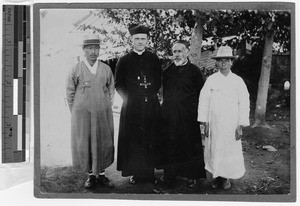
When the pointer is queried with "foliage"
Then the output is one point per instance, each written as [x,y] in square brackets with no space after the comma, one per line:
[168,25]
[251,26]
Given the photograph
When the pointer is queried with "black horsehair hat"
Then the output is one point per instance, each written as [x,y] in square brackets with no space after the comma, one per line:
[138,29]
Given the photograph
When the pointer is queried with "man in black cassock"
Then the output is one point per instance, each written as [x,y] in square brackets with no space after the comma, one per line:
[182,82]
[138,79]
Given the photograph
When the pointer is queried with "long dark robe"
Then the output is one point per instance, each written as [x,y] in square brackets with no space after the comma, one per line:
[184,152]
[140,114]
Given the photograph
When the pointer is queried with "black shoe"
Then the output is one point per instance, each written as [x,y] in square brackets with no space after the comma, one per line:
[216,182]
[163,185]
[154,180]
[166,182]
[91,182]
[191,183]
[132,180]
[101,179]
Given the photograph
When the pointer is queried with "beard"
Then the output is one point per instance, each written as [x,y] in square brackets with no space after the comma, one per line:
[178,62]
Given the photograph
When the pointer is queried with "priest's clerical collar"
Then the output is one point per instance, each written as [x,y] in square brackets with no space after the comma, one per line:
[139,52]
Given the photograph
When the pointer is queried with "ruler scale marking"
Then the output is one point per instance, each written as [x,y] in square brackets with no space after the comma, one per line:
[15,52]
[15,84]
[27,82]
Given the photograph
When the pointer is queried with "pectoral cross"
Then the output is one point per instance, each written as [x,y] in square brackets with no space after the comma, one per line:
[145,83]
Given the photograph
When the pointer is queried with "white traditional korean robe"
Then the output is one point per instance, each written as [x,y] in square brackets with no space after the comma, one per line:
[90,96]
[224,103]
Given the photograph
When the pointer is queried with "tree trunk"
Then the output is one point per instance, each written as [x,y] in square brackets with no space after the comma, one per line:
[196,41]
[263,84]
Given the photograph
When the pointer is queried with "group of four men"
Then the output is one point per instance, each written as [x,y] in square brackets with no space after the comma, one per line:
[154,135]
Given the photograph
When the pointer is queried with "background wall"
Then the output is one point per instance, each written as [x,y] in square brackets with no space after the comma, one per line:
[60,45]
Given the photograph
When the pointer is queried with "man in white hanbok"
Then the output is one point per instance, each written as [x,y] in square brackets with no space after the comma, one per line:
[224,110]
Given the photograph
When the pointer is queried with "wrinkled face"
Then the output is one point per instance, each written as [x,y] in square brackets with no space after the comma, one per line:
[224,63]
[139,42]
[91,52]
[180,54]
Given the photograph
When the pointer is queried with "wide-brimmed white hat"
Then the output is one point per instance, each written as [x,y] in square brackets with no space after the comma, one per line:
[224,52]
[92,39]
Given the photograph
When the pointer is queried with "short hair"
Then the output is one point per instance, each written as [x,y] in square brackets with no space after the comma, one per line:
[185,43]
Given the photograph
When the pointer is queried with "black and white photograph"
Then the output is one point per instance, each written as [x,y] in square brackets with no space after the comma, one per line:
[165,101]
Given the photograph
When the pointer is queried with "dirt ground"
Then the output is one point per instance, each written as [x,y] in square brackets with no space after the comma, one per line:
[267,172]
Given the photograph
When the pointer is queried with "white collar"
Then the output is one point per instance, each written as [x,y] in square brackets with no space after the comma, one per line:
[139,53]
[93,68]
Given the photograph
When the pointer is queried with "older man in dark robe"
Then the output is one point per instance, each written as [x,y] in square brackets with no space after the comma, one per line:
[182,82]
[138,79]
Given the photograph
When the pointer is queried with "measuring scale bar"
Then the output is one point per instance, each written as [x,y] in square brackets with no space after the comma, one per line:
[16,67]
